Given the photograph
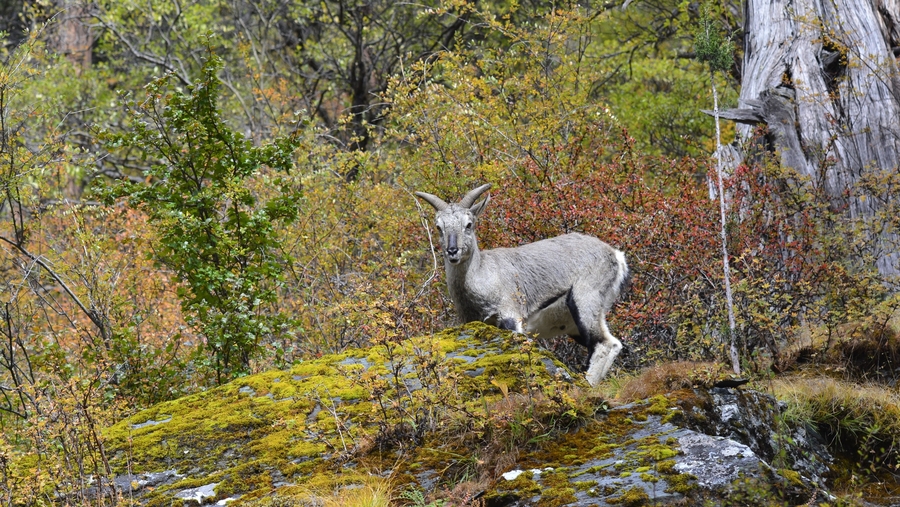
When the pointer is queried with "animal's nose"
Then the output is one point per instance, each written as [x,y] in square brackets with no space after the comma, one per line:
[452,245]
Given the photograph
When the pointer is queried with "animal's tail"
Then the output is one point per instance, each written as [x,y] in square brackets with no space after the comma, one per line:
[623,274]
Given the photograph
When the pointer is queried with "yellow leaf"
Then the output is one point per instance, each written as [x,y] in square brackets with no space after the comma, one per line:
[502,386]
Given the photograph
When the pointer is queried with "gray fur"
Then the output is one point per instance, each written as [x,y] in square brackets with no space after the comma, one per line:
[561,285]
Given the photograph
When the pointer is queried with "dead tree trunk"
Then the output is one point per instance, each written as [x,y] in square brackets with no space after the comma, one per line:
[73,37]
[823,76]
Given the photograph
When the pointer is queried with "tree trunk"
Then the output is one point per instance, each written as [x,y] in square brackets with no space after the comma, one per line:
[823,76]
[73,36]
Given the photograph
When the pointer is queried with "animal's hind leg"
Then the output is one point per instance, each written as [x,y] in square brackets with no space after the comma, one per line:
[588,309]
[604,354]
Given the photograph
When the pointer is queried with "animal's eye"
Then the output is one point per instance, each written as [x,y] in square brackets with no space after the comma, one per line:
[469,226]
[440,229]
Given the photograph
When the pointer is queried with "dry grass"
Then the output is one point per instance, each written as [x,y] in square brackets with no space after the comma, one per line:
[372,492]
[668,377]
[377,493]
[823,399]
[860,422]
[867,348]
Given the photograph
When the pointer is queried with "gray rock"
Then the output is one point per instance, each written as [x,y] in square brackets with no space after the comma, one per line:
[716,462]
[198,494]
[649,454]
[150,422]
[131,483]
[751,417]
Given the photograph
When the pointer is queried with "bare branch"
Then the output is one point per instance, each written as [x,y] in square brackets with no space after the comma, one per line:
[90,313]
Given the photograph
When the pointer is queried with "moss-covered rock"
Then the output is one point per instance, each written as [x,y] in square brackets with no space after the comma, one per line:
[645,453]
[471,412]
[406,409]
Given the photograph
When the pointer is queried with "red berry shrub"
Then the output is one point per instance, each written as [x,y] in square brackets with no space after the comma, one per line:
[803,266]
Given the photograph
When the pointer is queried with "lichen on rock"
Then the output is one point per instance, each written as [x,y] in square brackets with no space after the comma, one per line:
[331,420]
[470,406]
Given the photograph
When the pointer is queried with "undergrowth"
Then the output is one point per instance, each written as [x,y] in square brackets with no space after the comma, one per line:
[667,377]
[372,492]
[860,421]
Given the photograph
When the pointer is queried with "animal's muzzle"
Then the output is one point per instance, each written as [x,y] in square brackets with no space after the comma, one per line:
[452,249]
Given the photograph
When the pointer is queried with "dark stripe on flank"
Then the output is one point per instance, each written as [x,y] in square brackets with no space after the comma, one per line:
[552,300]
[585,337]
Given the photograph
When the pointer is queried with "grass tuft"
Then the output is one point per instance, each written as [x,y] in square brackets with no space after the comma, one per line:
[372,492]
[668,377]
[861,422]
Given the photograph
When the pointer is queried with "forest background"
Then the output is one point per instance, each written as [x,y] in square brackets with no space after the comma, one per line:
[195,191]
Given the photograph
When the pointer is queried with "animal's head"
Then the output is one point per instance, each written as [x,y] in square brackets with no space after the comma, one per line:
[456,223]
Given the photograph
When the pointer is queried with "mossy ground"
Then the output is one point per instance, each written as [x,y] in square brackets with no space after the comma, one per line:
[336,420]
[437,416]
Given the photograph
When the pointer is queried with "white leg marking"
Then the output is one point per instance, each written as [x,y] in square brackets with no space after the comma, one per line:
[604,355]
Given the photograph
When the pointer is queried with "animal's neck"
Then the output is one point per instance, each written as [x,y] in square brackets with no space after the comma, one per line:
[457,275]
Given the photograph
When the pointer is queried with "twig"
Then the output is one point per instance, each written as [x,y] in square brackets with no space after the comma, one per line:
[90,313]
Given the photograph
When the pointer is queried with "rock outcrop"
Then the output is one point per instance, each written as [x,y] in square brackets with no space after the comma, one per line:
[472,405]
[693,447]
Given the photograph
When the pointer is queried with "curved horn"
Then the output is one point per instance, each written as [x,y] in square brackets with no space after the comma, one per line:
[433,200]
[469,199]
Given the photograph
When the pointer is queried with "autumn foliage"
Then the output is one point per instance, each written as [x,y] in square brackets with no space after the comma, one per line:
[221,228]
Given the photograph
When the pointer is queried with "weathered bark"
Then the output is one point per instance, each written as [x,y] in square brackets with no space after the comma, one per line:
[73,36]
[823,76]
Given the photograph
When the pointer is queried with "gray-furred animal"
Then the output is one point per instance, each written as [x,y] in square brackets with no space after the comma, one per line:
[562,285]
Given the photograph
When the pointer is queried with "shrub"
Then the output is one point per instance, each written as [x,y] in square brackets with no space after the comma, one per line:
[215,234]
[649,207]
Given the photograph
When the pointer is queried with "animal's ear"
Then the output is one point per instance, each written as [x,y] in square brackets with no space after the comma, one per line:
[477,208]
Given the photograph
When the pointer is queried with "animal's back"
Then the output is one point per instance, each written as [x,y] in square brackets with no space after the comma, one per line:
[548,270]
[558,262]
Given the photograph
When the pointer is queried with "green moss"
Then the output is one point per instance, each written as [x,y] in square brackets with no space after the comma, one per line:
[661,452]
[558,497]
[659,405]
[245,478]
[791,475]
[666,467]
[671,416]
[633,497]
[557,490]
[584,485]
[284,390]
[603,450]
[524,486]
[646,477]
[680,483]
[591,470]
